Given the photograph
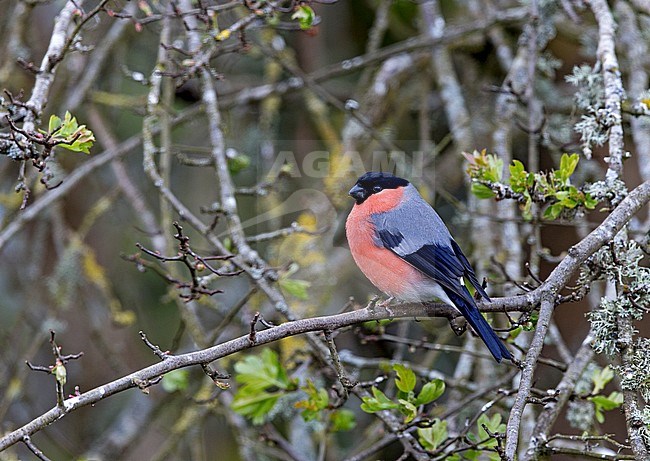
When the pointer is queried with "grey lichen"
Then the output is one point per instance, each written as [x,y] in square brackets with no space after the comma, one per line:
[612,192]
[590,93]
[637,376]
[589,98]
[580,414]
[644,416]
[603,324]
[621,262]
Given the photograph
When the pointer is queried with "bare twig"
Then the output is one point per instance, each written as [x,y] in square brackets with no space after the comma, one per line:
[156,350]
[34,449]
[614,91]
[54,54]
[345,381]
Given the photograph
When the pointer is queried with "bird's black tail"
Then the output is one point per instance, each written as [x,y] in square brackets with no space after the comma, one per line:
[480,325]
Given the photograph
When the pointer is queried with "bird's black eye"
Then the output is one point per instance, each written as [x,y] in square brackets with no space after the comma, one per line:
[376,189]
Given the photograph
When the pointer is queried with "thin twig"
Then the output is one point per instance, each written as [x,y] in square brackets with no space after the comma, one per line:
[162,355]
[34,449]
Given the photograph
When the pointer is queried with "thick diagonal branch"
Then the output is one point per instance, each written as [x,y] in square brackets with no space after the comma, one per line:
[549,290]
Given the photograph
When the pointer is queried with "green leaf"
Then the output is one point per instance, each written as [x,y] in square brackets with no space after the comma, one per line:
[493,424]
[494,169]
[297,288]
[481,190]
[614,400]
[54,124]
[305,16]
[600,379]
[432,437]
[342,420]
[254,405]
[409,410]
[483,166]
[257,375]
[405,379]
[317,400]
[516,168]
[238,163]
[569,203]
[176,380]
[430,391]
[377,402]
[532,322]
[518,176]
[263,371]
[514,333]
[598,412]
[590,202]
[568,164]
[553,212]
[69,134]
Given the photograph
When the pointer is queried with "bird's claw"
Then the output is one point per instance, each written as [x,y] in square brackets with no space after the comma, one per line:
[386,302]
[386,305]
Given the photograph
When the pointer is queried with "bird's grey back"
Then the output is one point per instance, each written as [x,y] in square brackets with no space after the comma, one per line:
[416,221]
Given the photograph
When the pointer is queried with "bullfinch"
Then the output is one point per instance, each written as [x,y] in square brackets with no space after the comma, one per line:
[402,246]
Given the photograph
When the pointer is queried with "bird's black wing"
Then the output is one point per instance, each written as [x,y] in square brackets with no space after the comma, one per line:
[448,266]
[469,272]
[439,262]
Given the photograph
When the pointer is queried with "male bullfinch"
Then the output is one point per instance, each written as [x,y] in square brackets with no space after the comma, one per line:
[400,243]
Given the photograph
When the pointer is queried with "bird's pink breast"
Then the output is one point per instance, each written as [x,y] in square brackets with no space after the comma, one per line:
[382,267]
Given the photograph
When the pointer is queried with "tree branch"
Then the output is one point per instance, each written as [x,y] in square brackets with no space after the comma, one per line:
[563,391]
[211,354]
[551,288]
[546,293]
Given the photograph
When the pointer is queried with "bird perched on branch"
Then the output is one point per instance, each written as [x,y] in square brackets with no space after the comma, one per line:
[402,246]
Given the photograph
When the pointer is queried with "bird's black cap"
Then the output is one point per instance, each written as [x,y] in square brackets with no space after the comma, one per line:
[374,182]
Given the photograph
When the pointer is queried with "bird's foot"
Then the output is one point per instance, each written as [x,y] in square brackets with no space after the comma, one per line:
[385,304]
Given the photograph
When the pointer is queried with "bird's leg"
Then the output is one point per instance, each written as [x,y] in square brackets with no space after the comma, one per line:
[386,302]
[376,303]
[386,305]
